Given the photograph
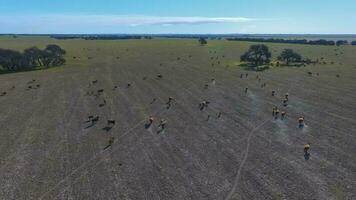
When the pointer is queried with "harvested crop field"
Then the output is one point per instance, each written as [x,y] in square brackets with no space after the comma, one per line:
[232,149]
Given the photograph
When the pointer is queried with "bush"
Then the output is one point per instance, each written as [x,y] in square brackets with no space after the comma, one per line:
[202,41]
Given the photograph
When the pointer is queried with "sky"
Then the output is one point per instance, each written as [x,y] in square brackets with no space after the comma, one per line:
[178,16]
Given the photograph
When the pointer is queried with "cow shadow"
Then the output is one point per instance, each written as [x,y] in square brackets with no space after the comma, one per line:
[160,131]
[307,156]
[147,126]
[107,128]
[91,125]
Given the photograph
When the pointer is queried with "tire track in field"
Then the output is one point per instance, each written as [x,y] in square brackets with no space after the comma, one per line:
[63,125]
[237,177]
[232,118]
[236,181]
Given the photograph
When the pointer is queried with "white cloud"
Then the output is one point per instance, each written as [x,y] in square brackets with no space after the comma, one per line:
[149,20]
[121,20]
[86,23]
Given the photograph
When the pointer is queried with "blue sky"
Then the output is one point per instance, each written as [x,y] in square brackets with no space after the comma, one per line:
[178,16]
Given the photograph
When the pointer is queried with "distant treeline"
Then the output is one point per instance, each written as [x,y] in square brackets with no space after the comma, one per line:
[230,37]
[31,58]
[101,37]
[137,37]
[295,41]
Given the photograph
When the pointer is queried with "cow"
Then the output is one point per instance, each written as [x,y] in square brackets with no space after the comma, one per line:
[153,100]
[32,81]
[95,119]
[110,143]
[283,114]
[150,120]
[276,113]
[285,102]
[306,148]
[301,122]
[111,122]
[203,104]
[162,124]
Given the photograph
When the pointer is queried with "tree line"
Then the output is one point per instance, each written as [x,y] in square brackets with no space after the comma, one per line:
[31,58]
[295,41]
[100,37]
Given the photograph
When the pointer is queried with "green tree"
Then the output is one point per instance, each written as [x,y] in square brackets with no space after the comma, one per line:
[341,42]
[53,55]
[202,41]
[12,60]
[34,56]
[257,55]
[289,56]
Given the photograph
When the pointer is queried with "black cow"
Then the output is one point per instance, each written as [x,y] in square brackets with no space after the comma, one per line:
[95,119]
[111,122]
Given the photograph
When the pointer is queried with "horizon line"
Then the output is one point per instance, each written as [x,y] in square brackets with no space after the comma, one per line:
[177,33]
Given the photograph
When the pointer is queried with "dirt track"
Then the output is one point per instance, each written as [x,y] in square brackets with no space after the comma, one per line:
[47,150]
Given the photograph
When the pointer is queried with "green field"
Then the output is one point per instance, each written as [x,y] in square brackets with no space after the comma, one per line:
[47,151]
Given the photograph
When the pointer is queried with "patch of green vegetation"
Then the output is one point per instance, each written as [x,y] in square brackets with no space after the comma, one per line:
[248,67]
[323,164]
[338,192]
[277,196]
